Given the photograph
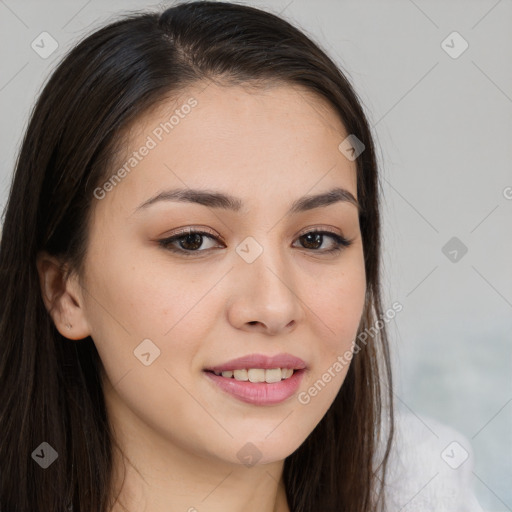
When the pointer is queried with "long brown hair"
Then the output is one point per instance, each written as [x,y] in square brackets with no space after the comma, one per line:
[49,386]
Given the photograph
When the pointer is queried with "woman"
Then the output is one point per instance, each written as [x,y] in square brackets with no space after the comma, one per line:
[190,266]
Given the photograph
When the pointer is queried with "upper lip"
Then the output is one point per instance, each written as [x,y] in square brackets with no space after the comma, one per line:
[260,361]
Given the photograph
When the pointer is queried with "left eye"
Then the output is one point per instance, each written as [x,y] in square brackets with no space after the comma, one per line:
[190,241]
[313,237]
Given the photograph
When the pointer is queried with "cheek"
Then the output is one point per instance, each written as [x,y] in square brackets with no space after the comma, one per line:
[140,310]
[347,308]
[135,302]
[340,303]
[144,300]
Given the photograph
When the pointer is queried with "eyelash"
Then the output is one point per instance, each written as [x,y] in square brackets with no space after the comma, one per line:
[340,241]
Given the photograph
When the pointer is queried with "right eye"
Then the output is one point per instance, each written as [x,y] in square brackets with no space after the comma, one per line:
[189,241]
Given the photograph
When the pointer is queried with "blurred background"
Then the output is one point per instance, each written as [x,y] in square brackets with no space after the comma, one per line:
[435,78]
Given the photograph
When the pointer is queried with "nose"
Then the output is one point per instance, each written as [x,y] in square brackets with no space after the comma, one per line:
[264,296]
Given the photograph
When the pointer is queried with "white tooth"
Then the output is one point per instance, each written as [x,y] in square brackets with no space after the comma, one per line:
[216,373]
[227,374]
[287,372]
[273,375]
[256,375]
[240,375]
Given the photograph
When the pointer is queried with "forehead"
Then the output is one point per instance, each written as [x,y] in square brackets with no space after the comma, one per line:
[255,139]
[208,112]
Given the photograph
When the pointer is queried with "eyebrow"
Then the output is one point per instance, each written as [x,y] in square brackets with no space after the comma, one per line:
[214,199]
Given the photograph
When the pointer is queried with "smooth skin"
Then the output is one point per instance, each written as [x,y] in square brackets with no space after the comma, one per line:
[180,433]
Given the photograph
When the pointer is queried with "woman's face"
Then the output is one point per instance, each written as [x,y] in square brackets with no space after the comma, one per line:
[256,285]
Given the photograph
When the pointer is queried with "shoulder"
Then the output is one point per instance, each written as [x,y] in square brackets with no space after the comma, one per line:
[430,468]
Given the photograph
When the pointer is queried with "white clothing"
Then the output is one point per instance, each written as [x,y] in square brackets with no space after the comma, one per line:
[430,468]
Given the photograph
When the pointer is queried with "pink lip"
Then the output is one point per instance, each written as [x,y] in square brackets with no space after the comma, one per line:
[258,393]
[261,361]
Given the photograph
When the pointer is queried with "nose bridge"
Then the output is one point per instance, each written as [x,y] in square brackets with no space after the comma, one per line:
[269,271]
[266,264]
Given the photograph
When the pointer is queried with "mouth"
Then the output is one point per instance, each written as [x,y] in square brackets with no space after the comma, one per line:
[259,379]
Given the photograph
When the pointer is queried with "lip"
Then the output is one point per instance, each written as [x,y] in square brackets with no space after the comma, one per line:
[258,393]
[260,361]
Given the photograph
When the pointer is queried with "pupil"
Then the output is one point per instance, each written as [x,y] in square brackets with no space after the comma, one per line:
[309,236]
[187,238]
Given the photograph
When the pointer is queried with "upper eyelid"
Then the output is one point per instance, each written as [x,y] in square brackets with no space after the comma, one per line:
[194,229]
[205,232]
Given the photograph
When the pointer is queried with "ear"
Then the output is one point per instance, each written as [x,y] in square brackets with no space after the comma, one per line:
[62,296]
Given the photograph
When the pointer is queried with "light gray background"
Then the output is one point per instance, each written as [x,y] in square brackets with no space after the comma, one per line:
[443,127]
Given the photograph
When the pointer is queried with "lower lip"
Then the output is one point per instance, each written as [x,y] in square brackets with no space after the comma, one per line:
[259,393]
